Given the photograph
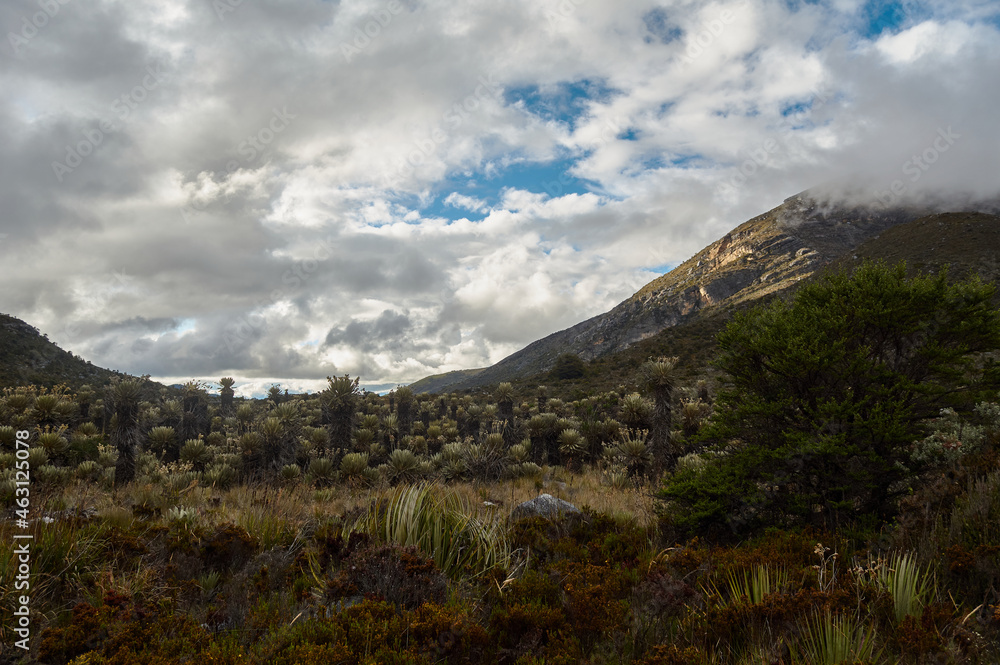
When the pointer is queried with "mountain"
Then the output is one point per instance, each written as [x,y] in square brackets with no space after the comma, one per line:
[764,256]
[27,356]
[438,382]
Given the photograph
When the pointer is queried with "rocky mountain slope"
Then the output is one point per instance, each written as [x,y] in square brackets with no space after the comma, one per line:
[764,255]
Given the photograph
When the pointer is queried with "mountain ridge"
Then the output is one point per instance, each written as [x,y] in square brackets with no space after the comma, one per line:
[27,356]
[764,255]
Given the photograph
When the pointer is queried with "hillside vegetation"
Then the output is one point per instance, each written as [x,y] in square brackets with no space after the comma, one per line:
[817,500]
[27,356]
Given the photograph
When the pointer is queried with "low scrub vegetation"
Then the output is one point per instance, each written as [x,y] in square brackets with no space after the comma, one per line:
[838,501]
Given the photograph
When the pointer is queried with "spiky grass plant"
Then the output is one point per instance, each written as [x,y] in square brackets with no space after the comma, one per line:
[291,472]
[37,457]
[830,640]
[390,429]
[659,377]
[54,442]
[572,443]
[125,431]
[287,412]
[162,442]
[244,416]
[270,428]
[520,452]
[196,453]
[219,476]
[353,465]
[226,394]
[88,470]
[617,477]
[363,439]
[87,429]
[750,587]
[442,526]
[635,410]
[487,460]
[630,452]
[693,412]
[504,392]
[319,438]
[402,464]
[369,421]
[910,585]
[45,408]
[322,471]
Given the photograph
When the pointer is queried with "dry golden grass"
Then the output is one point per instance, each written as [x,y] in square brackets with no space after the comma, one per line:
[296,505]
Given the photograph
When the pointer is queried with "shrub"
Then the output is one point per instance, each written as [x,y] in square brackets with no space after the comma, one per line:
[399,575]
[229,547]
[828,393]
[568,366]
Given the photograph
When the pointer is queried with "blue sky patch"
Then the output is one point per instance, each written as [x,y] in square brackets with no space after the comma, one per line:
[185,326]
[686,160]
[796,5]
[882,15]
[564,102]
[664,268]
[660,27]
[796,108]
[551,178]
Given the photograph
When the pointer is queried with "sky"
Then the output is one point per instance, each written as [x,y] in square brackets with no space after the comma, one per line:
[286,190]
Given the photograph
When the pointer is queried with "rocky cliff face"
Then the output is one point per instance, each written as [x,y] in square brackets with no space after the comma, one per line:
[766,254]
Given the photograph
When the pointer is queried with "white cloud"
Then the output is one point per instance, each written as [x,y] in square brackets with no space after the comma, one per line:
[457,200]
[273,242]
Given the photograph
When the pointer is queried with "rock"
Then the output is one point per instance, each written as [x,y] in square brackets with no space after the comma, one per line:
[543,505]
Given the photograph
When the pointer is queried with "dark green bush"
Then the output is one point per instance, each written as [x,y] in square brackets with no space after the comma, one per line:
[827,393]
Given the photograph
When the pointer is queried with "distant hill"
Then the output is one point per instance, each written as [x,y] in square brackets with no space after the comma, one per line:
[765,256]
[27,356]
[968,242]
[443,382]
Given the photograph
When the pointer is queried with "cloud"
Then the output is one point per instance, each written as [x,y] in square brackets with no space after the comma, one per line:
[291,190]
[471,203]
